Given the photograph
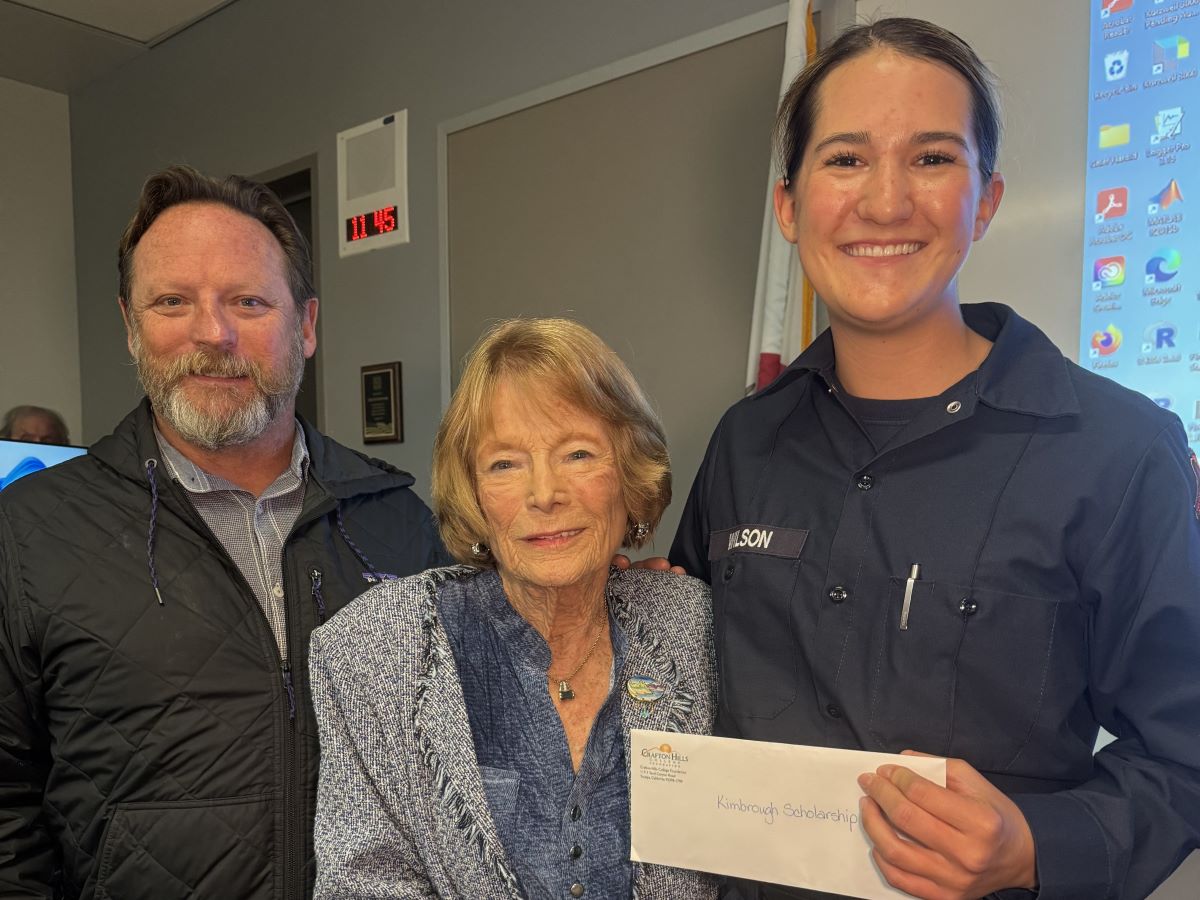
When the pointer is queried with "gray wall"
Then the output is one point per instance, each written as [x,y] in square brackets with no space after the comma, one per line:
[635,207]
[263,82]
[38,332]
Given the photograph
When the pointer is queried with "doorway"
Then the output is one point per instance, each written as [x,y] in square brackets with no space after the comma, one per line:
[295,192]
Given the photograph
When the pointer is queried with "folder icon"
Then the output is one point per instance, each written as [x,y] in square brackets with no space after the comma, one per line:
[1114,135]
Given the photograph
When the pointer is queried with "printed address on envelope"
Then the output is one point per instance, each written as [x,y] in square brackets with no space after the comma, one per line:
[771,812]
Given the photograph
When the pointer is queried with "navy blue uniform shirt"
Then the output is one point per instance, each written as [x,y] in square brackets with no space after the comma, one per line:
[1053,515]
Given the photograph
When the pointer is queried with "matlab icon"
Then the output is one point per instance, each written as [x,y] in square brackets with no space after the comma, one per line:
[1112,203]
[1166,197]
[1108,7]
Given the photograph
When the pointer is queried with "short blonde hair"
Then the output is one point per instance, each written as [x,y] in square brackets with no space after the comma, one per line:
[571,364]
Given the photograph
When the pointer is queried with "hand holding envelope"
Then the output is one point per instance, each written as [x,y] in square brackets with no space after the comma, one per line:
[970,839]
[753,809]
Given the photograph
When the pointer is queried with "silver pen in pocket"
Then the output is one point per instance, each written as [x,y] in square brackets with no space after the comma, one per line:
[914,573]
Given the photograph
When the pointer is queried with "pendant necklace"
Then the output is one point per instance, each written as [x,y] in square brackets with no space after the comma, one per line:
[564,684]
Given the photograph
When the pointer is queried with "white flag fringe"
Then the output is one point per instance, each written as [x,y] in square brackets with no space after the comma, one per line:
[784,307]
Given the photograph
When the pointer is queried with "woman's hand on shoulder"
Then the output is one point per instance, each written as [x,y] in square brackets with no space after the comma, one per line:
[655,563]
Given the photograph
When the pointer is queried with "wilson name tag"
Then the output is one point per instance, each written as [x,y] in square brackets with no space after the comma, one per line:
[769,540]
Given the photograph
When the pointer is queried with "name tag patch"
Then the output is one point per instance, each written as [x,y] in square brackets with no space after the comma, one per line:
[769,540]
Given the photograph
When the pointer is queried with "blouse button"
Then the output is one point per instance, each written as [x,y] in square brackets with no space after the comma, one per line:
[576,852]
[728,573]
[865,482]
[577,890]
[838,594]
[576,812]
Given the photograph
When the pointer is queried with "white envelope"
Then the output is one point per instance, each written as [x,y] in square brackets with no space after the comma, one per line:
[770,812]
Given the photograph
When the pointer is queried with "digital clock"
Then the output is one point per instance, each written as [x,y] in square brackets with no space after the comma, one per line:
[379,221]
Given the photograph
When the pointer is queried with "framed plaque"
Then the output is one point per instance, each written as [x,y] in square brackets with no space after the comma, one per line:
[382,412]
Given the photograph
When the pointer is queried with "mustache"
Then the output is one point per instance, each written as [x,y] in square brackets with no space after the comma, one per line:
[206,362]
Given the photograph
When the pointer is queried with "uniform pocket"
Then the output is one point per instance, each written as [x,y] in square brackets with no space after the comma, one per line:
[187,848]
[754,630]
[967,677]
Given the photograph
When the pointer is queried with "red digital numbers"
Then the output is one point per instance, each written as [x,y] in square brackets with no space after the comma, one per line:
[385,220]
[381,221]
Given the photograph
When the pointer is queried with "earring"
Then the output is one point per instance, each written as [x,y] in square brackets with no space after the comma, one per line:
[480,551]
[640,530]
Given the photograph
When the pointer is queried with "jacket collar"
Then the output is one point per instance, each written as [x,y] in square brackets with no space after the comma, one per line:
[1024,372]
[343,472]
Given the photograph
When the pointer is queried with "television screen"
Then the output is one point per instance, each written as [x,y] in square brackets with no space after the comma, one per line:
[19,458]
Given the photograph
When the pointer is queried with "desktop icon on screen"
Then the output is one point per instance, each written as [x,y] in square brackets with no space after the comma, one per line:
[1163,265]
[1114,135]
[1168,51]
[1108,272]
[1164,198]
[1116,65]
[1112,203]
[1168,124]
[1159,336]
[1106,342]
[1108,7]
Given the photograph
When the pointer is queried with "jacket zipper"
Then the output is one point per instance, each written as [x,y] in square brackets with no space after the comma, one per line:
[314,576]
[293,829]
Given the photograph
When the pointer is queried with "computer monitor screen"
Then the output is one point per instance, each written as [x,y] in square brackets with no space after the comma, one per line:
[21,458]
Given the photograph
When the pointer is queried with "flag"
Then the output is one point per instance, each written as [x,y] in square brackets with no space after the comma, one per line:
[784,304]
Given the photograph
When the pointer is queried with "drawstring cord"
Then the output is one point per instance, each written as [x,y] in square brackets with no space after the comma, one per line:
[151,465]
[362,557]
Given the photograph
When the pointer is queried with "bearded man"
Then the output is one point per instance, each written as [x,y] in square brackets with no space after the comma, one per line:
[156,595]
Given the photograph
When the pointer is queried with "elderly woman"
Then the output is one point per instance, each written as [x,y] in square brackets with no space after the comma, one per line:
[993,552]
[474,720]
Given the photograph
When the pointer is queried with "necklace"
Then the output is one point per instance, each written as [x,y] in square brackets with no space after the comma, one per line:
[564,684]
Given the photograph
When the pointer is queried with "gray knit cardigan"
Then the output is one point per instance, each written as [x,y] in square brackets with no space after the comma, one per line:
[401,809]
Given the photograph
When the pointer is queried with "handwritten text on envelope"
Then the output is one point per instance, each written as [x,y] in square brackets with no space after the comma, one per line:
[770,812]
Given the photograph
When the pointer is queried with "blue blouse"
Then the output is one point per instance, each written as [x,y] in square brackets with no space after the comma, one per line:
[565,833]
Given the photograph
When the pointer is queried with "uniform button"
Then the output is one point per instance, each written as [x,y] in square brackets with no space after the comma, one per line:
[967,607]
[576,812]
[838,594]
[728,573]
[277,591]
[835,712]
[953,406]
[576,852]
[865,482]
[577,890]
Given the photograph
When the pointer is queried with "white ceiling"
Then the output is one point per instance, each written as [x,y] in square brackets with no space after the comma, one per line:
[61,45]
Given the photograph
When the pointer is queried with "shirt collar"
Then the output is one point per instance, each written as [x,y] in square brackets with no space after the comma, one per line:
[1024,372]
[197,481]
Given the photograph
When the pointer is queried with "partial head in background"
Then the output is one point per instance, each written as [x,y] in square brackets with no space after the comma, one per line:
[36,424]
[549,455]
[887,144]
[219,304]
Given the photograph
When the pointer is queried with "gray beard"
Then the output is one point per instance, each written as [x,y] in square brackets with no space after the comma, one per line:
[275,392]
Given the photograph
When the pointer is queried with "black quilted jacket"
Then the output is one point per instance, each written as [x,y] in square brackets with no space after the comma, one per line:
[161,751]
